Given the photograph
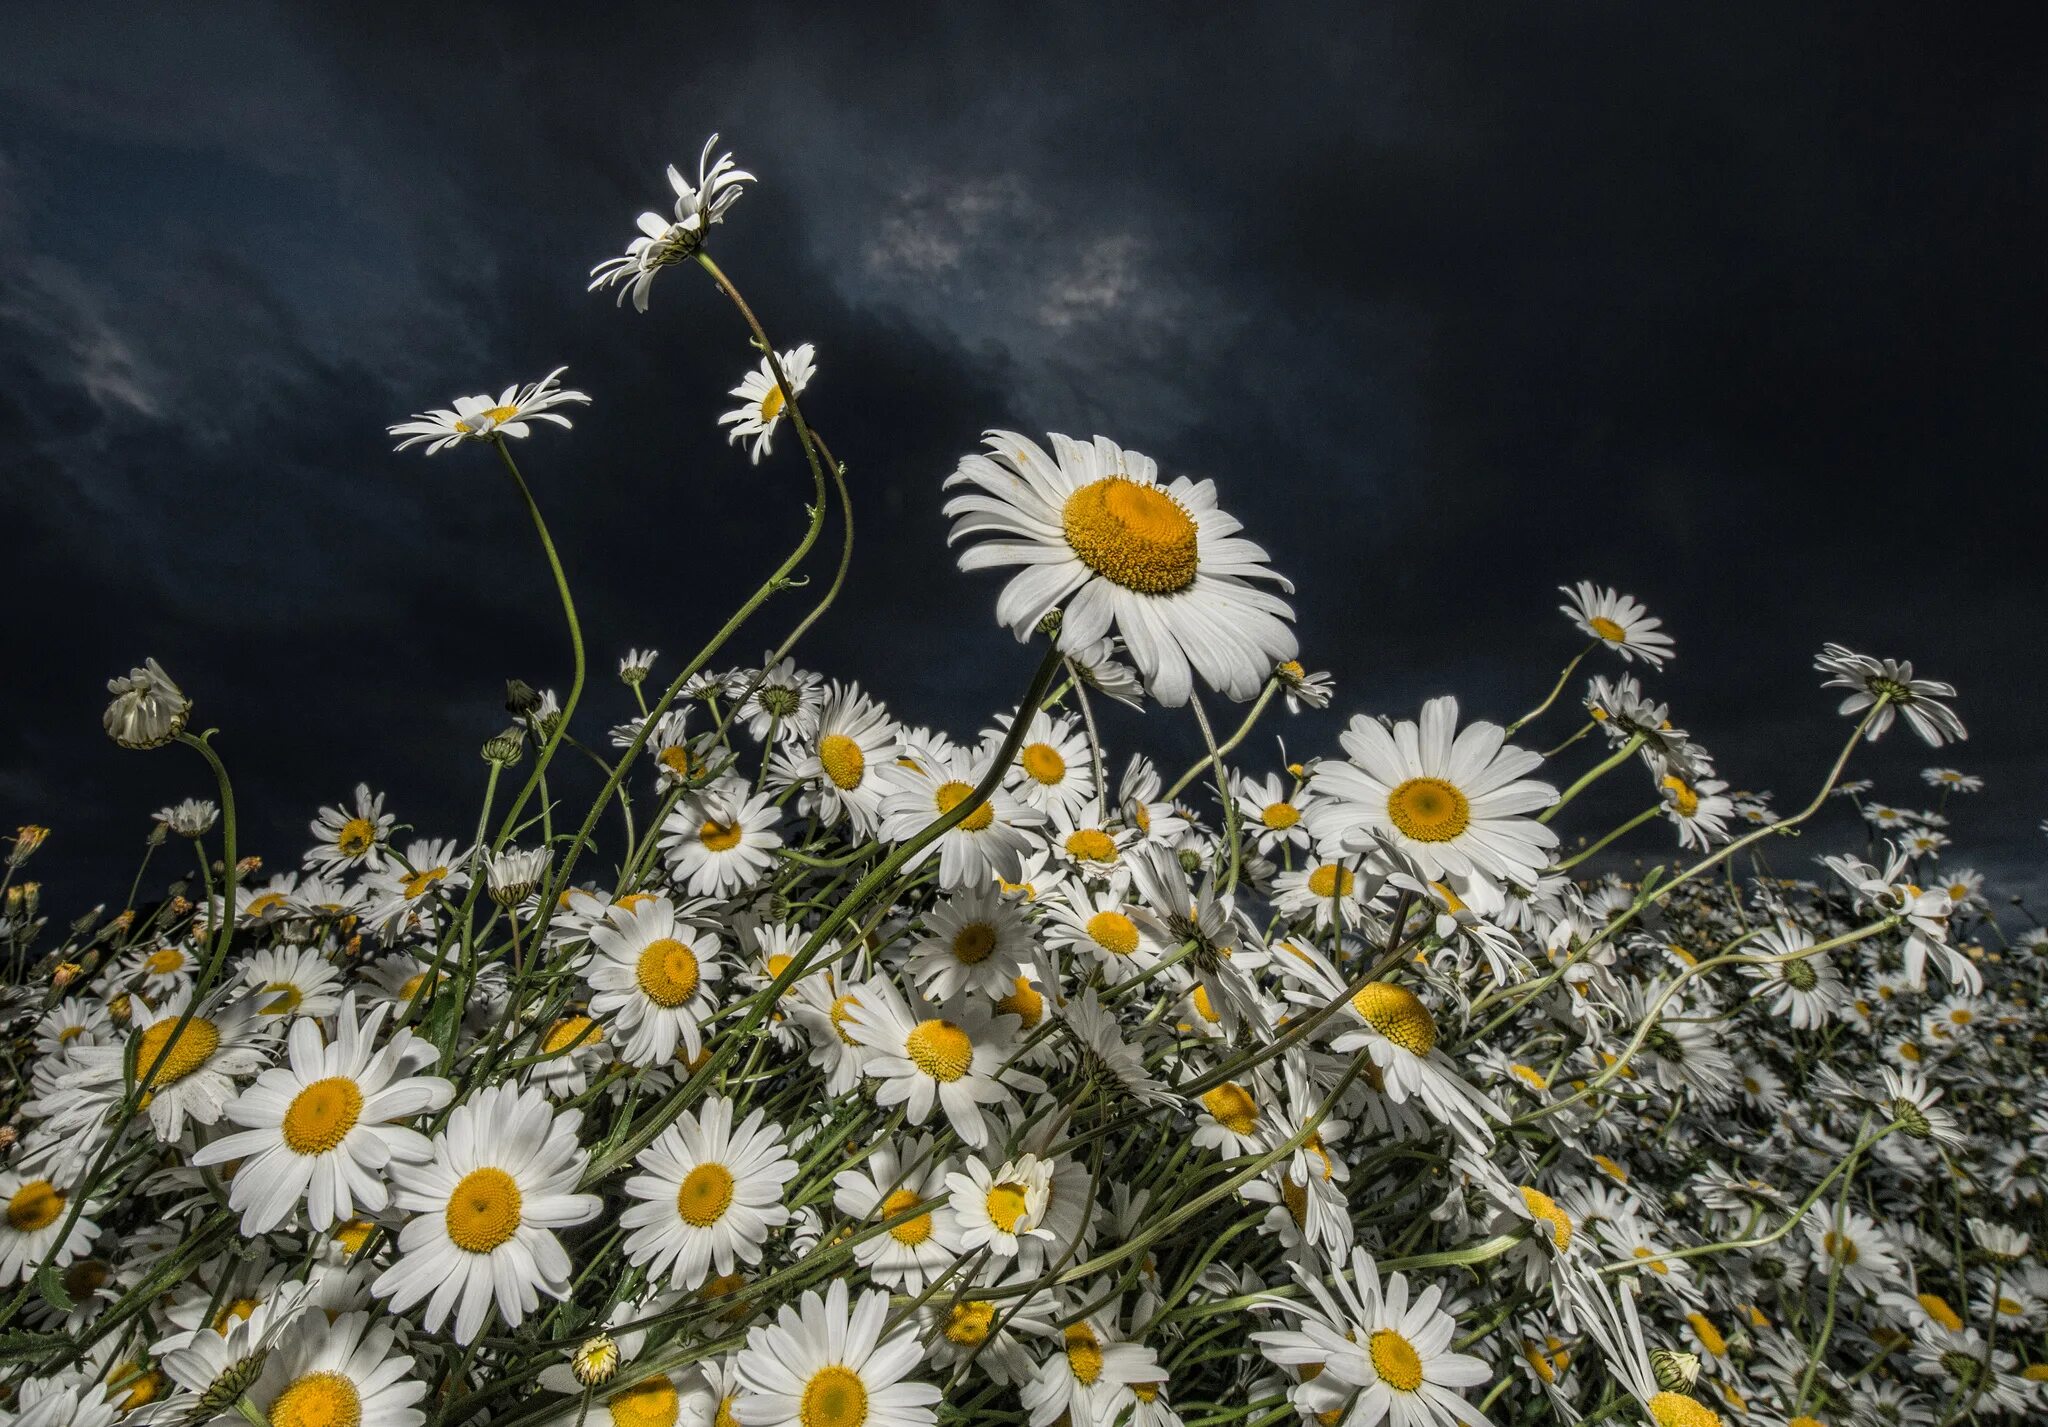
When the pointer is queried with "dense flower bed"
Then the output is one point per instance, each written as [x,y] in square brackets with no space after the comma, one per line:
[874,1076]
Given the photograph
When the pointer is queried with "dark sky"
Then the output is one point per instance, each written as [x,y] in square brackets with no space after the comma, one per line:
[1738,308]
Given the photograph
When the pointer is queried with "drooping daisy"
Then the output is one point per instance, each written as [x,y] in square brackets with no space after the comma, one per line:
[341,1373]
[975,940]
[1699,810]
[487,418]
[345,837]
[952,1055]
[990,842]
[778,703]
[1099,533]
[891,1181]
[712,1193]
[1920,700]
[1452,801]
[1620,621]
[323,1128]
[148,710]
[721,839]
[501,1179]
[651,981]
[194,1074]
[1395,1354]
[663,242]
[30,1222]
[823,1364]
[762,398]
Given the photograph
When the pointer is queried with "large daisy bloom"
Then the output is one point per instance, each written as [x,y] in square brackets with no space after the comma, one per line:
[821,1364]
[322,1129]
[1452,801]
[1620,621]
[323,1374]
[1160,564]
[650,978]
[32,1211]
[501,1180]
[1395,1354]
[711,1193]
[481,418]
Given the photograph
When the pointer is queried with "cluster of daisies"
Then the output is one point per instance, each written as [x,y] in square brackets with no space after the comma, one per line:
[865,1074]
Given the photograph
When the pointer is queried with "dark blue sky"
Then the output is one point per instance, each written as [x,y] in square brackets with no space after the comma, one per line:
[1738,308]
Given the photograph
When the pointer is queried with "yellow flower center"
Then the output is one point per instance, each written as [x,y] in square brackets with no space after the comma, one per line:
[577,1031]
[1025,1003]
[1684,800]
[353,1234]
[667,972]
[1232,1106]
[1530,1076]
[268,902]
[911,1232]
[652,1403]
[1543,1209]
[1043,762]
[34,1206]
[1429,810]
[1330,880]
[1199,999]
[1938,1309]
[724,1416]
[840,1012]
[1084,1354]
[1671,1409]
[355,837]
[417,885]
[1398,1014]
[1091,844]
[1295,1196]
[1840,1246]
[1006,1205]
[834,1397]
[483,1212]
[940,1049]
[321,1115]
[720,837]
[969,1323]
[285,1000]
[771,404]
[1136,535]
[167,962]
[704,1195]
[1709,1336]
[1114,932]
[1395,1360]
[1607,629]
[191,1050]
[1280,816]
[842,760]
[319,1399]
[951,795]
[974,943]
[1804,1421]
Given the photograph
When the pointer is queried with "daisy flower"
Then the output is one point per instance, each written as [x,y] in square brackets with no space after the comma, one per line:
[781,702]
[1271,812]
[1395,1354]
[996,1209]
[147,711]
[1869,1264]
[1804,991]
[321,1129]
[1892,680]
[992,1332]
[1054,768]
[33,1218]
[345,837]
[347,1371]
[1451,801]
[194,1075]
[1950,780]
[761,398]
[990,842]
[1088,1381]
[1699,810]
[664,242]
[822,1363]
[892,1182]
[711,1194]
[976,940]
[487,418]
[722,839]
[1618,620]
[292,981]
[1099,533]
[840,763]
[1104,926]
[651,980]
[500,1180]
[1301,689]
[950,1055]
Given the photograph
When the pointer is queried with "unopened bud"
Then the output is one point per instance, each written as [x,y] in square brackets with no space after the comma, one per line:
[520,698]
[595,1361]
[505,748]
[248,866]
[64,974]
[26,840]
[1674,1371]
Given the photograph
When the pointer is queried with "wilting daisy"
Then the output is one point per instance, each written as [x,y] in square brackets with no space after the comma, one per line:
[762,399]
[345,837]
[322,1129]
[891,1181]
[1099,533]
[148,710]
[951,1055]
[344,1373]
[1620,620]
[820,1365]
[487,418]
[650,978]
[1395,1354]
[1891,680]
[713,1192]
[662,242]
[1451,801]
[721,838]
[500,1180]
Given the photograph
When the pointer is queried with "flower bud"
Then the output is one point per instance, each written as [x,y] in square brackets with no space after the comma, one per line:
[148,710]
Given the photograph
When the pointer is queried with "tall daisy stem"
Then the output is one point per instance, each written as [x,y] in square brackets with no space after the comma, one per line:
[1229,745]
[1556,689]
[1593,775]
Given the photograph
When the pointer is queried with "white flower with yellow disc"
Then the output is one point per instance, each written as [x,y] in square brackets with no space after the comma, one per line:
[952,1056]
[709,1194]
[823,1363]
[890,1182]
[189,1076]
[650,978]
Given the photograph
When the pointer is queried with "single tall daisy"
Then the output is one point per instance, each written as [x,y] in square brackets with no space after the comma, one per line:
[1620,621]
[762,401]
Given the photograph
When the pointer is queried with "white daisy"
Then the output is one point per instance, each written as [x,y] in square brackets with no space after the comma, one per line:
[840,764]
[975,940]
[721,839]
[501,1180]
[323,1128]
[194,1075]
[762,400]
[997,1209]
[292,981]
[1619,620]
[988,843]
[1920,700]
[1054,768]
[951,1055]
[1271,812]
[651,980]
[820,1365]
[345,837]
[147,711]
[341,1373]
[664,242]
[1161,564]
[487,418]
[893,1181]
[33,1217]
[713,1192]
